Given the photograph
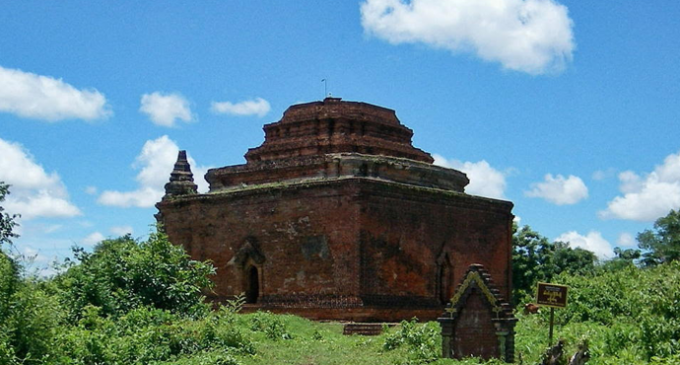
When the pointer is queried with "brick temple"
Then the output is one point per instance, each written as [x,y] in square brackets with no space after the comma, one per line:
[337,216]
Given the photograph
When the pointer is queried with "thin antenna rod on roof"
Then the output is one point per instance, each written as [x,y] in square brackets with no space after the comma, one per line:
[325,88]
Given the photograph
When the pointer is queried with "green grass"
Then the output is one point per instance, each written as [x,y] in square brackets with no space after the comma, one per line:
[314,343]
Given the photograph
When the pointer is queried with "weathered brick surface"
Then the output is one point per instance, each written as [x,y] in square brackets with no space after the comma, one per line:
[478,321]
[475,334]
[314,228]
[333,126]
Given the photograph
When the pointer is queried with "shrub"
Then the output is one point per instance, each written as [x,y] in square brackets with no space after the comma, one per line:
[272,326]
[28,316]
[122,274]
[420,341]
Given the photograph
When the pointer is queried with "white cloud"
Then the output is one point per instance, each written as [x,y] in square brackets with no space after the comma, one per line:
[92,239]
[593,241]
[91,190]
[533,36]
[646,198]
[630,182]
[165,109]
[484,179]
[42,97]
[259,107]
[43,203]
[121,230]
[53,228]
[601,175]
[33,193]
[559,190]
[155,162]
[144,197]
[626,240]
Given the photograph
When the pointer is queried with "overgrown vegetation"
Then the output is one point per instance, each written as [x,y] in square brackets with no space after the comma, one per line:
[535,258]
[7,222]
[422,343]
[123,274]
[630,316]
[141,302]
[663,243]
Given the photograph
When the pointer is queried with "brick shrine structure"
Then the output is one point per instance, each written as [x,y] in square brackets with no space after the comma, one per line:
[337,216]
[478,321]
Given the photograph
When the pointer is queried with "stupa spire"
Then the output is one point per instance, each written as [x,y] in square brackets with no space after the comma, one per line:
[181,177]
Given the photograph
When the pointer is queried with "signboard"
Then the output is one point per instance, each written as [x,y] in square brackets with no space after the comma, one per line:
[551,295]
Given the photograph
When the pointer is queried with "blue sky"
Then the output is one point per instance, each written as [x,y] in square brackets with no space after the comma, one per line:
[569,109]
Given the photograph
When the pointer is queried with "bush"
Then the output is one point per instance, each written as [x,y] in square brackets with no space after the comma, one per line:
[123,274]
[420,341]
[629,315]
[149,335]
[28,316]
[271,324]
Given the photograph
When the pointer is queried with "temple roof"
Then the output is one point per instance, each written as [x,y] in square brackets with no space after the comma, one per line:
[334,140]
[336,126]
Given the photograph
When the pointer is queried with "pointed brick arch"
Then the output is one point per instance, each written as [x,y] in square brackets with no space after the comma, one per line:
[249,250]
[250,258]
[478,321]
[445,280]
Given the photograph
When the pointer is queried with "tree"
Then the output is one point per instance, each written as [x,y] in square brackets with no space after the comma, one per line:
[9,276]
[535,258]
[662,244]
[7,222]
[530,261]
[123,274]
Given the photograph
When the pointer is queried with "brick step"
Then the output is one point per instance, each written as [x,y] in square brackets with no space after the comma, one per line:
[363,329]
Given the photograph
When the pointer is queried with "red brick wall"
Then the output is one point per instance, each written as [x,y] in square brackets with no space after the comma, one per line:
[404,231]
[474,332]
[335,245]
[303,234]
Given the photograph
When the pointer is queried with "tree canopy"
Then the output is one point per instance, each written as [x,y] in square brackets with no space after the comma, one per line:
[662,244]
[535,259]
[122,274]
[7,222]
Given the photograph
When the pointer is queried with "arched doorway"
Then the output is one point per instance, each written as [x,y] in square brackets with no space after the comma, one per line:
[252,285]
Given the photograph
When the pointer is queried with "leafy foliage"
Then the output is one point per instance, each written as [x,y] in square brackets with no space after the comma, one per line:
[420,341]
[536,259]
[147,335]
[272,326]
[27,316]
[123,274]
[623,259]
[128,302]
[629,316]
[7,222]
[663,243]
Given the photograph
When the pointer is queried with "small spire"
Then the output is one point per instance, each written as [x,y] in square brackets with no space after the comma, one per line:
[181,178]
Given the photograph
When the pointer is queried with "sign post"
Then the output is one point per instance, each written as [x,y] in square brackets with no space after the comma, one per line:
[553,296]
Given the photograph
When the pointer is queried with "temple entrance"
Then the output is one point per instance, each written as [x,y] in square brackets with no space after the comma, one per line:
[252,285]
